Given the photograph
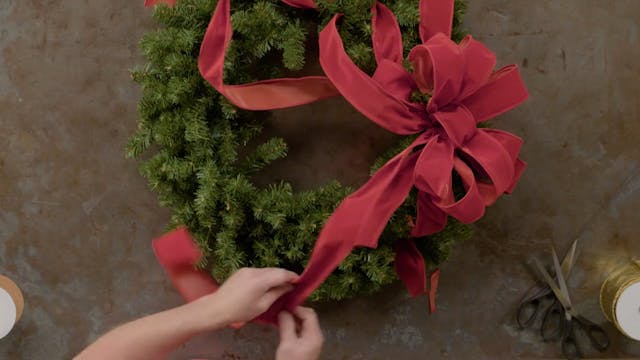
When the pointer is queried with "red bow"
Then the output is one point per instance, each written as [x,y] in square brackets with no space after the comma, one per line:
[464,91]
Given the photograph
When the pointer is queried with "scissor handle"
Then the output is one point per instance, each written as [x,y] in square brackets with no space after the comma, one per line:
[570,348]
[554,322]
[596,334]
[527,312]
[529,308]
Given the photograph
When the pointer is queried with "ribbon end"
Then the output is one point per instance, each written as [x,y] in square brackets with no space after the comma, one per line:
[170,3]
[178,255]
[433,289]
[409,265]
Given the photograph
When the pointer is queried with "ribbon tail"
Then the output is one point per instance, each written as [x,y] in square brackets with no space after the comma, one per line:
[261,95]
[430,219]
[169,3]
[411,269]
[410,266]
[358,221]
[433,289]
[178,255]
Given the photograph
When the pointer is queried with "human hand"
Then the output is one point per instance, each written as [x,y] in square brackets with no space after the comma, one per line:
[301,341]
[248,293]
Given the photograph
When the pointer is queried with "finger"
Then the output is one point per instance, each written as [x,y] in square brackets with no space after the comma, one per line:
[275,293]
[273,277]
[310,327]
[287,326]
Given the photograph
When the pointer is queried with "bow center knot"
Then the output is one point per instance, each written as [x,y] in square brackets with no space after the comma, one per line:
[457,123]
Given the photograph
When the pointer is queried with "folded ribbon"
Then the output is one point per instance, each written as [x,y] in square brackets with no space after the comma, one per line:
[464,90]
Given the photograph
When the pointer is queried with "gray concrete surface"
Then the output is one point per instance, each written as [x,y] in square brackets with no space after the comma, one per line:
[76,219]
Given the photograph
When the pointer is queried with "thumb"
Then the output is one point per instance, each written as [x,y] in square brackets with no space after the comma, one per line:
[287,325]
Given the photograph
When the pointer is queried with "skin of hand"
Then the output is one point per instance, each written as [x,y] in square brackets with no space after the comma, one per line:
[245,295]
[249,292]
[300,335]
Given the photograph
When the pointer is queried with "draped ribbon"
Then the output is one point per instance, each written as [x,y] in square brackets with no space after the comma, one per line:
[464,90]
[261,95]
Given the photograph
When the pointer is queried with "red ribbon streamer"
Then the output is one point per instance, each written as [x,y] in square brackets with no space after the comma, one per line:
[178,255]
[464,91]
[156,2]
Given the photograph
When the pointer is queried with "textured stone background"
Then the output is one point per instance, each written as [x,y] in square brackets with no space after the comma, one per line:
[76,219]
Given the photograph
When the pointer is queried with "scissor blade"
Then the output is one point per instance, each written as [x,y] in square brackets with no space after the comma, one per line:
[560,277]
[552,284]
[569,259]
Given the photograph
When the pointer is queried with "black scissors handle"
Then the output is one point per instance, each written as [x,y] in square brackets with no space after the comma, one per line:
[596,334]
[530,307]
[570,348]
[554,323]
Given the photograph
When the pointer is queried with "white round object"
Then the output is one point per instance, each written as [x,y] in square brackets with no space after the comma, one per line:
[628,311]
[7,313]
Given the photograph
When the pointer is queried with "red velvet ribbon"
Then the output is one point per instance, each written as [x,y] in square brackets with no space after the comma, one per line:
[261,95]
[464,91]
[156,2]
[178,255]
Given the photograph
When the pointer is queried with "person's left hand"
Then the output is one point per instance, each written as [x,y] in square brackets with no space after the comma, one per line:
[300,335]
[248,293]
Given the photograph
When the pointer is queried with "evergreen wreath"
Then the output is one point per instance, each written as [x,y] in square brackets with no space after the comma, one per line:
[196,142]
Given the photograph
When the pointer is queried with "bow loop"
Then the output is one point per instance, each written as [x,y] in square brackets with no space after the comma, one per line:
[369,96]
[435,17]
[386,35]
[470,207]
[503,91]
[392,77]
[438,69]
[479,63]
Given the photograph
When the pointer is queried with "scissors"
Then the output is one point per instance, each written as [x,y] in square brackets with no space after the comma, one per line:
[531,307]
[571,321]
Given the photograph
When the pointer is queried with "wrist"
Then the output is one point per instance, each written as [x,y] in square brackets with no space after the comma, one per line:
[208,313]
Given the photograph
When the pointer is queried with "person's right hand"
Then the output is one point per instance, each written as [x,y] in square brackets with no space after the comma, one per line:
[248,293]
[300,335]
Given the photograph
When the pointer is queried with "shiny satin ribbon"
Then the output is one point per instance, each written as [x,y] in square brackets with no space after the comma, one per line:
[464,91]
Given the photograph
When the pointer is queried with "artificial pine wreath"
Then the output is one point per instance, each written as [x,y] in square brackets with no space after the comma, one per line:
[197,138]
